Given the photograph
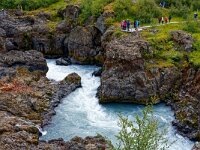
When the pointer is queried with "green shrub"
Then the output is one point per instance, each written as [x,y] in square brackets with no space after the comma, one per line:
[145,135]
[146,10]
[26,4]
[194,58]
[182,11]
[123,9]
[92,8]
[192,27]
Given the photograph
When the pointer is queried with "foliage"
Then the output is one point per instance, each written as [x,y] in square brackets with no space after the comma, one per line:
[142,136]
[194,58]
[143,10]
[92,8]
[26,4]
[192,27]
[182,11]
[123,9]
[146,10]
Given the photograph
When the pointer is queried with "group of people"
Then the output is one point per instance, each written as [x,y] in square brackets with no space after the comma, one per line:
[126,24]
[164,19]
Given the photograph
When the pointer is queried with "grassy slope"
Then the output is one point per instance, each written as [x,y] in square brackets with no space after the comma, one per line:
[164,52]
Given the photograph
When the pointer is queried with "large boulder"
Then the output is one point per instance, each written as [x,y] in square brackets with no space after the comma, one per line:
[63,61]
[123,72]
[51,45]
[183,39]
[102,22]
[70,12]
[84,45]
[125,78]
[32,60]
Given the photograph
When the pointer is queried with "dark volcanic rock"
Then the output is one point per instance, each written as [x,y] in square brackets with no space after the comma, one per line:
[101,21]
[84,45]
[71,12]
[185,40]
[196,146]
[124,77]
[32,60]
[97,73]
[186,104]
[28,98]
[77,143]
[63,61]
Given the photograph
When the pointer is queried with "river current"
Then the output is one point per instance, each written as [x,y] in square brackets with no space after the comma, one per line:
[81,114]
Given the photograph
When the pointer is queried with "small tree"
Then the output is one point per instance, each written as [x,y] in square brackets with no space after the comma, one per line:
[142,136]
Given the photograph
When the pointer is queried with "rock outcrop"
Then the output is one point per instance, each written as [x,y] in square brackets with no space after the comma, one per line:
[32,60]
[32,32]
[84,45]
[124,77]
[183,39]
[102,21]
[70,12]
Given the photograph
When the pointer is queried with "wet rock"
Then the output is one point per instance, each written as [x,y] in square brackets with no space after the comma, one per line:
[196,146]
[63,61]
[183,39]
[97,73]
[84,44]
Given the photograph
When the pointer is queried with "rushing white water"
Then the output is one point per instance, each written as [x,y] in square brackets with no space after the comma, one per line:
[81,114]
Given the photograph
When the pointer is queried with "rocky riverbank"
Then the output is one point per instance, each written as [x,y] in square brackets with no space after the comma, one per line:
[129,76]
[28,99]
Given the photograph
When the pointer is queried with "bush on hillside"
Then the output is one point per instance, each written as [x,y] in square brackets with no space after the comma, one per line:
[146,10]
[26,4]
[192,27]
[123,9]
[92,8]
[182,11]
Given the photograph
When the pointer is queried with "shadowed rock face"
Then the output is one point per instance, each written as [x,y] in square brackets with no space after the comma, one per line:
[84,45]
[32,60]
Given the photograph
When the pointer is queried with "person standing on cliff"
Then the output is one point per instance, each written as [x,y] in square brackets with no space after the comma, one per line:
[124,25]
[195,16]
[162,19]
[128,24]
[166,20]
[170,18]
[159,20]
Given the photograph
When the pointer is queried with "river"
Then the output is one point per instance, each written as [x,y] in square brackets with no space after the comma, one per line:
[81,114]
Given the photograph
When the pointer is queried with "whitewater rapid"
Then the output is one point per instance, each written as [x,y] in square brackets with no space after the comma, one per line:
[81,114]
